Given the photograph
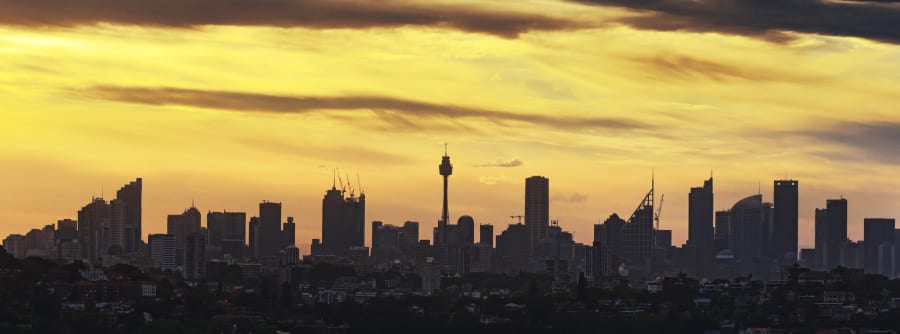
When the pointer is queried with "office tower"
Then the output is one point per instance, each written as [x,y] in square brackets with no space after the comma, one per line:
[36,243]
[722,231]
[291,255]
[409,237]
[821,237]
[343,222]
[66,229]
[270,236]
[513,249]
[315,247]
[195,257]
[113,234]
[254,238]
[878,257]
[748,233]
[637,236]
[486,234]
[385,242]
[836,231]
[537,207]
[227,232]
[162,251]
[609,242]
[768,211]
[807,257]
[181,226]
[69,249]
[376,226]
[466,229]
[784,232]
[289,232]
[130,197]
[700,226]
[16,245]
[446,169]
[91,219]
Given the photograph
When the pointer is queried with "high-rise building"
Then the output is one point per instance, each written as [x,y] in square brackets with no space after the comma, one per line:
[637,245]
[836,228]
[466,229]
[722,231]
[227,232]
[878,257]
[270,236]
[195,257]
[537,208]
[821,238]
[66,229]
[409,237]
[114,232]
[290,232]
[700,226]
[608,246]
[343,222]
[91,219]
[162,251]
[16,245]
[748,235]
[181,226]
[130,197]
[254,239]
[512,252]
[486,234]
[784,232]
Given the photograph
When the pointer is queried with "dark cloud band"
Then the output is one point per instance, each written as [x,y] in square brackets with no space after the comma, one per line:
[316,14]
[877,20]
[398,108]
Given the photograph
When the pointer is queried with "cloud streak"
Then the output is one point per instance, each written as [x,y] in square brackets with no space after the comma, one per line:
[315,14]
[875,141]
[514,162]
[766,19]
[409,110]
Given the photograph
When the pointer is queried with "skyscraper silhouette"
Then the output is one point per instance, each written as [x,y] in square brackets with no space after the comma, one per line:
[836,231]
[748,234]
[131,195]
[343,222]
[537,208]
[91,219]
[878,246]
[271,240]
[821,237]
[181,226]
[227,233]
[784,233]
[486,234]
[700,225]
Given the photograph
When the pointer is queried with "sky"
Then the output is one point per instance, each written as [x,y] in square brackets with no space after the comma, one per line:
[226,103]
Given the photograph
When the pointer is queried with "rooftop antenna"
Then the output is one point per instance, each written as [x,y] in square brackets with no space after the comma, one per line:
[334,178]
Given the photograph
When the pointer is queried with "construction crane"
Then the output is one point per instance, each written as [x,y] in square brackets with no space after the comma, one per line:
[659,210]
[520,218]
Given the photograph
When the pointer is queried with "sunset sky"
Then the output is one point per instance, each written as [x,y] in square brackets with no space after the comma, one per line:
[230,102]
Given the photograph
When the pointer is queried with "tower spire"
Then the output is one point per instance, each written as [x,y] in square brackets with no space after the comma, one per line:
[445,149]
[334,179]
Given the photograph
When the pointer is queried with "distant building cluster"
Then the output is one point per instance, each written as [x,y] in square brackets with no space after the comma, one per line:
[753,237]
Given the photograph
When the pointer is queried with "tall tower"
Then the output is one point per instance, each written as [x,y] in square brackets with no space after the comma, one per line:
[700,225]
[537,207]
[785,228]
[446,170]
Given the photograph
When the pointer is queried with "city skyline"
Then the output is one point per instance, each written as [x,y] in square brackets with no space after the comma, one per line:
[302,239]
[231,110]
